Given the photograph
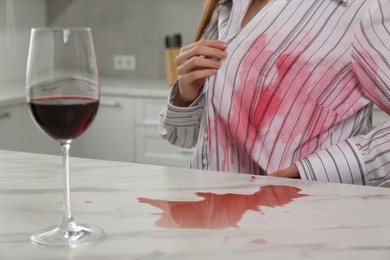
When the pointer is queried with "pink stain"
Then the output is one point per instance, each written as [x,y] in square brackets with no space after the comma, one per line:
[287,97]
[292,89]
[268,98]
[222,142]
[256,102]
[247,89]
[157,253]
[367,197]
[259,241]
[220,211]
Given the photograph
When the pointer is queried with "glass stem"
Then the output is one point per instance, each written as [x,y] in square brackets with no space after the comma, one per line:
[67,218]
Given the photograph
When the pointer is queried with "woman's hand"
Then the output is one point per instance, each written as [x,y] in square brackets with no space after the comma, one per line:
[290,172]
[195,63]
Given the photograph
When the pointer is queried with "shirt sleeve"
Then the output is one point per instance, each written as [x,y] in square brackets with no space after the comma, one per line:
[363,159]
[180,125]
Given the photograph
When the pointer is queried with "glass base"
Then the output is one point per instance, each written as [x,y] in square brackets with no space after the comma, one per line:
[78,235]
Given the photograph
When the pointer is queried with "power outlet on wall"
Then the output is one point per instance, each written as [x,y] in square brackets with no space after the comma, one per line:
[124,62]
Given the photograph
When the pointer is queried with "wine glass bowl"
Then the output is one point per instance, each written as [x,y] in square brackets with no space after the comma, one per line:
[62,85]
[63,117]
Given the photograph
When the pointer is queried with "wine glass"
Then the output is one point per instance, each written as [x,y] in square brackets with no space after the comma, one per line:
[63,93]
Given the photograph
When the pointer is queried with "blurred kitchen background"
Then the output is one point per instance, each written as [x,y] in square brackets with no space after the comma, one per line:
[120,27]
[125,32]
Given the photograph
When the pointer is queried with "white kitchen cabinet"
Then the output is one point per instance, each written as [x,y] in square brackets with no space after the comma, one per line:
[126,129]
[19,132]
[110,137]
[150,147]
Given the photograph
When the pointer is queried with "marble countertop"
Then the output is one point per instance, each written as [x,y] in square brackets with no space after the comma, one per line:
[13,91]
[155,212]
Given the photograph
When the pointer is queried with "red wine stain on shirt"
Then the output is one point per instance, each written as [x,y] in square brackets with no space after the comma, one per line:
[220,211]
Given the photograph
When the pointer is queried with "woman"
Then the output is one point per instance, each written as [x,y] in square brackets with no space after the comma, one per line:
[286,88]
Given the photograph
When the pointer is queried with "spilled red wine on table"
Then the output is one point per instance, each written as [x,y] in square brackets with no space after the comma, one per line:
[64,117]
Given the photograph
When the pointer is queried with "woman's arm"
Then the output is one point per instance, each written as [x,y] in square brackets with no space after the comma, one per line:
[180,125]
[180,118]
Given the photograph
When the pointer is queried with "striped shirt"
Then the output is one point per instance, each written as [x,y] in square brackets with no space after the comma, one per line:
[297,86]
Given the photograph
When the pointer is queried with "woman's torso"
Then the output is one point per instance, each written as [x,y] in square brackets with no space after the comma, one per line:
[286,89]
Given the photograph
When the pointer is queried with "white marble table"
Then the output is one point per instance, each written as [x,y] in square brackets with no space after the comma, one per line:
[152,212]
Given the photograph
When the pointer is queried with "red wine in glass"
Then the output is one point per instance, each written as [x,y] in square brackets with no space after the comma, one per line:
[64,117]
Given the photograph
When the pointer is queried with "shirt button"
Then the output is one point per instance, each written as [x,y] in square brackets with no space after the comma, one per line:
[204,136]
[204,162]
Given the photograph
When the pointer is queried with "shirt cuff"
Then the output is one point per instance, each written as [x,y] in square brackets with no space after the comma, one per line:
[341,163]
[183,116]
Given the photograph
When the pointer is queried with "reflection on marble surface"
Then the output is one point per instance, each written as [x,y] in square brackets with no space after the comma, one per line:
[313,221]
[219,211]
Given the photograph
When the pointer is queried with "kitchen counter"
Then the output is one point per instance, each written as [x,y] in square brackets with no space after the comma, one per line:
[134,87]
[155,212]
[13,91]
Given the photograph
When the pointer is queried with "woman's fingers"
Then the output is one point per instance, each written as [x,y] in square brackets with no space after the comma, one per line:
[196,75]
[197,62]
[290,172]
[210,43]
[214,50]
